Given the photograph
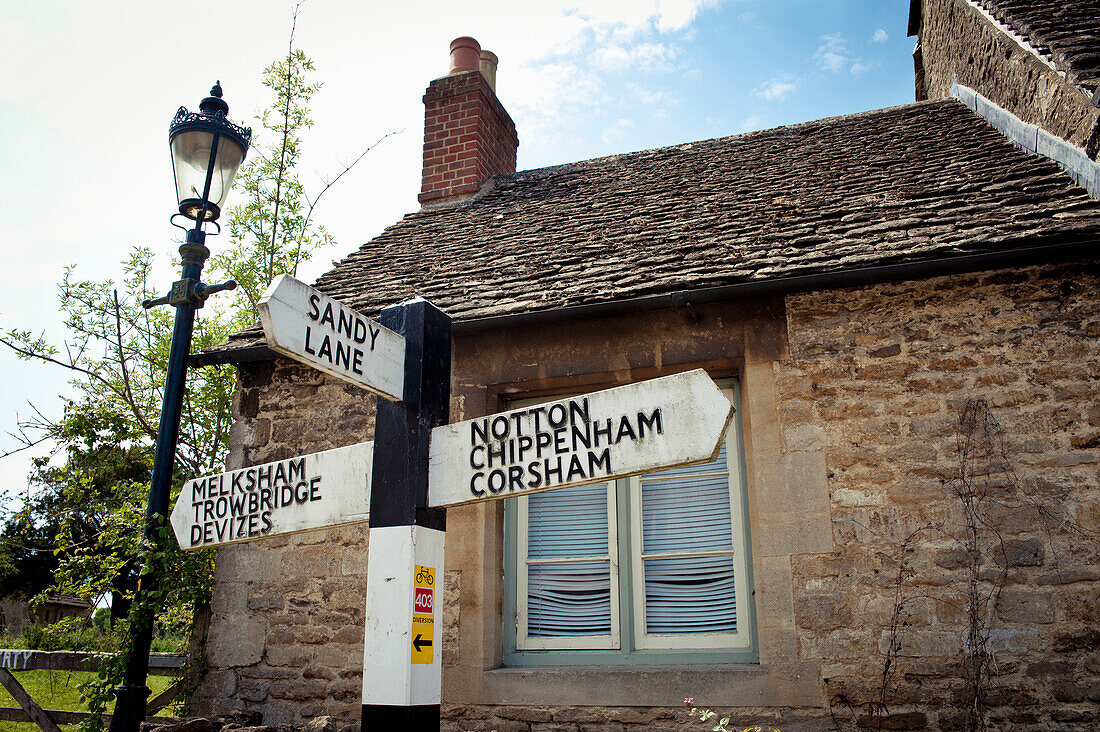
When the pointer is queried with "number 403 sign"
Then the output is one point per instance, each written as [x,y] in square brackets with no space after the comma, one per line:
[423,601]
[423,619]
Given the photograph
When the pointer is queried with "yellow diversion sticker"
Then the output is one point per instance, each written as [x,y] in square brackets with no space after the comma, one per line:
[423,617]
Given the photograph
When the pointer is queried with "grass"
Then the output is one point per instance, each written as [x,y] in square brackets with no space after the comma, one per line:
[60,690]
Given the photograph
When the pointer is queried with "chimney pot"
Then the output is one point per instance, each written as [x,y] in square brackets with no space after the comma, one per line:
[489,68]
[465,55]
[468,135]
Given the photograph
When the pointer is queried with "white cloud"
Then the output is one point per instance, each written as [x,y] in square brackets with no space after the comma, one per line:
[751,123]
[832,54]
[547,91]
[880,36]
[642,56]
[776,89]
[617,130]
[674,15]
[859,68]
[622,20]
[643,96]
[553,89]
[649,56]
[611,58]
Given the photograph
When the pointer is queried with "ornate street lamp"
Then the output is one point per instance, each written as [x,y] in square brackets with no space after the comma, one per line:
[206,149]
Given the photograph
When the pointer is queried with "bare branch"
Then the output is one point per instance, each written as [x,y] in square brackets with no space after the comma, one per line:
[50,359]
[27,441]
[328,184]
[283,148]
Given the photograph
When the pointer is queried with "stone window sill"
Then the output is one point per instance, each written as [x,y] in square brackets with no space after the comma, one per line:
[727,685]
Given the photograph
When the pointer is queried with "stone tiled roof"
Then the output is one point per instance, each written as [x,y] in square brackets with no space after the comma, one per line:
[1067,31]
[919,182]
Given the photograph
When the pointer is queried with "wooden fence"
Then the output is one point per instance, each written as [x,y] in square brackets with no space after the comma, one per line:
[160,664]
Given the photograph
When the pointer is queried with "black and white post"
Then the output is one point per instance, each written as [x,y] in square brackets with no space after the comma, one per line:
[402,668]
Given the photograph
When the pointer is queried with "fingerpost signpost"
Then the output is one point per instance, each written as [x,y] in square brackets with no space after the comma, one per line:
[418,465]
[305,492]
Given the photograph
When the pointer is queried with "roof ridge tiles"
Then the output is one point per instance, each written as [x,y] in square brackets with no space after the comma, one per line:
[587,164]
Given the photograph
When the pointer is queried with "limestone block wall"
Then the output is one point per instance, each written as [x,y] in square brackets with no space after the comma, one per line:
[286,634]
[957,40]
[878,377]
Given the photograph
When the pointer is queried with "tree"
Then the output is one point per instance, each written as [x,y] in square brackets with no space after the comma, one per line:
[272,231]
[27,561]
[90,502]
[91,493]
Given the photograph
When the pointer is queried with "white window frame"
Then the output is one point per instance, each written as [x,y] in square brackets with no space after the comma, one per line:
[738,639]
[741,640]
[525,642]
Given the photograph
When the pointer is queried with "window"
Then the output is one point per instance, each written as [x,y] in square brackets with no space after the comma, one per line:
[650,569]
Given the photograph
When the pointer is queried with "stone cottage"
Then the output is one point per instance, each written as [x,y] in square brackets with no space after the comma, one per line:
[903,527]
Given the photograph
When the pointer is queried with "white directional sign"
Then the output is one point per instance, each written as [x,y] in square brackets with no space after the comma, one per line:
[305,492]
[592,438]
[309,326]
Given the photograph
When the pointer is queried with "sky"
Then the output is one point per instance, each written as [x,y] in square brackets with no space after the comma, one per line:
[91,87]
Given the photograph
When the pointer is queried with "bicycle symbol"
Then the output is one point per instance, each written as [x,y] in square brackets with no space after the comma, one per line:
[425,578]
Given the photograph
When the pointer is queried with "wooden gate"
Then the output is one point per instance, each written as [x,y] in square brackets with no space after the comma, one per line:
[160,664]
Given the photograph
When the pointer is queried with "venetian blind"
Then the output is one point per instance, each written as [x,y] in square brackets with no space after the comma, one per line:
[568,563]
[687,549]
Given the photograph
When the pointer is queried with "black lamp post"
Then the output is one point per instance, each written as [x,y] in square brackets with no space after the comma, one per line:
[206,149]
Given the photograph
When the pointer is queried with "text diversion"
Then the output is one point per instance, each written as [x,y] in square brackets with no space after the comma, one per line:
[238,505]
[548,445]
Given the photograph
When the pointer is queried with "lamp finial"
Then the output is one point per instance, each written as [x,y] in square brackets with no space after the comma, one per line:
[214,102]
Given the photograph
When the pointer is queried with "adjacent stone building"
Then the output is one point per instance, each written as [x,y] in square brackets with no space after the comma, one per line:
[16,613]
[1037,59]
[904,526]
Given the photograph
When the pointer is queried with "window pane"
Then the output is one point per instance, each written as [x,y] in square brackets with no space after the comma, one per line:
[686,514]
[690,595]
[570,522]
[571,599]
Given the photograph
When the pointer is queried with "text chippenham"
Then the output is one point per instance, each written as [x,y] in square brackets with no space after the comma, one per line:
[542,446]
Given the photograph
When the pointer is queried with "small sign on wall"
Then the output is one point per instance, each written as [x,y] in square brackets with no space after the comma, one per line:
[400,663]
[423,619]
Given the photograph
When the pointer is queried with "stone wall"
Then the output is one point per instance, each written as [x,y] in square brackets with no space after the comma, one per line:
[957,40]
[525,718]
[286,634]
[851,407]
[879,377]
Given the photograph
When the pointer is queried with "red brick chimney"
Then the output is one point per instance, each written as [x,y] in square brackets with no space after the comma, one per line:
[468,136]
